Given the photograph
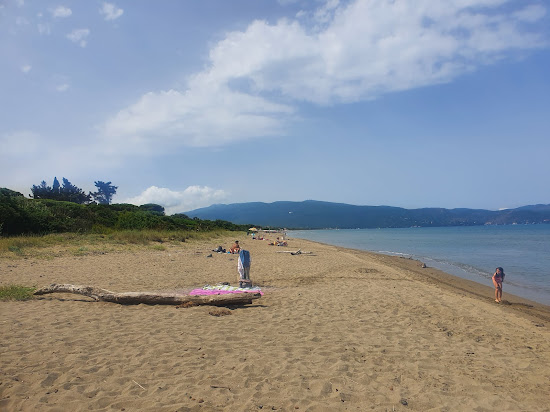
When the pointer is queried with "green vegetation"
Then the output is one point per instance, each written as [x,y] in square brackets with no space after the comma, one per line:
[22,216]
[71,193]
[66,192]
[105,192]
[16,292]
[82,244]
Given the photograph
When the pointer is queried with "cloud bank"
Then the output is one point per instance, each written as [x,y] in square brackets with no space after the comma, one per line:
[192,197]
[343,52]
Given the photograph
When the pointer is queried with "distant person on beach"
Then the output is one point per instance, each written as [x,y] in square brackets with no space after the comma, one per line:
[236,248]
[498,278]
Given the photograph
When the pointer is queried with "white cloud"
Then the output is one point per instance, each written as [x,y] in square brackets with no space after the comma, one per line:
[204,117]
[20,3]
[191,198]
[369,48]
[61,12]
[110,11]
[343,52]
[79,36]
[26,68]
[62,87]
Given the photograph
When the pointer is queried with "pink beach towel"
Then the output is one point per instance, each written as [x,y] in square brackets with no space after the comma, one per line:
[223,290]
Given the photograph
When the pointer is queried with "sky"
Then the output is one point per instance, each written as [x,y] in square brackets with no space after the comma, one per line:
[408,103]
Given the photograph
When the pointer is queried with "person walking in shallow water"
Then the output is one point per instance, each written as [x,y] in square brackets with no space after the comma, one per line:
[498,278]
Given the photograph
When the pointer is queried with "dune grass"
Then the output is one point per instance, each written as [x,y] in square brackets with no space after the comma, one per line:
[79,244]
[16,292]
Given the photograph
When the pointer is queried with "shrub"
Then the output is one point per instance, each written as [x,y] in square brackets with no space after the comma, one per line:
[151,207]
[19,215]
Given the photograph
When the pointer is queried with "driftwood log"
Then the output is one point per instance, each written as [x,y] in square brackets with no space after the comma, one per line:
[150,298]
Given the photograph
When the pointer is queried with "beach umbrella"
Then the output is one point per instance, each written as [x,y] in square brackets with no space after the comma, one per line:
[252,229]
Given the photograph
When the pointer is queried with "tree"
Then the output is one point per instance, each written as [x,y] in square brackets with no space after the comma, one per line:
[105,192]
[56,188]
[42,191]
[68,192]
[71,193]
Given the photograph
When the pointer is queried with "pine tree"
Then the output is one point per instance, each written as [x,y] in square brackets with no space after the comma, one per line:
[105,192]
[66,192]
[42,191]
[56,188]
[71,193]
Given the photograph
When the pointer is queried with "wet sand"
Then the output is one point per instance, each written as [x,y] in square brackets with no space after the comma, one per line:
[336,330]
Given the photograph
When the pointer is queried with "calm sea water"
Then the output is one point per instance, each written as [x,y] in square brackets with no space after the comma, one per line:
[469,252]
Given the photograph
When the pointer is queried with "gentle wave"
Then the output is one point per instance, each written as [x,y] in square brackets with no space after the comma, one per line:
[387,252]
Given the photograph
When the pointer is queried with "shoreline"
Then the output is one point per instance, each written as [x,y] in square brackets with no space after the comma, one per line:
[338,329]
[470,287]
[455,283]
[521,284]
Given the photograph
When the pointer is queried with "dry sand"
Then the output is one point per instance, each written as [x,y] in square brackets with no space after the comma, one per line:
[337,330]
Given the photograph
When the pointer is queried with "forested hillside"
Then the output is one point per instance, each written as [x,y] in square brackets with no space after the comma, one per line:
[312,214]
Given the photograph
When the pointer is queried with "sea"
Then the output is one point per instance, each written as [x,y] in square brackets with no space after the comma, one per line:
[471,252]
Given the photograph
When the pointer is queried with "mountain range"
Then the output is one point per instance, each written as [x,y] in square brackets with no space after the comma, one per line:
[312,214]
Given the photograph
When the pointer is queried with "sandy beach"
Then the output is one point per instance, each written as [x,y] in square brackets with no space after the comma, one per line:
[337,330]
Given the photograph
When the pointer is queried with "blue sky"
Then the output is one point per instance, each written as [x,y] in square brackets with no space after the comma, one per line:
[410,103]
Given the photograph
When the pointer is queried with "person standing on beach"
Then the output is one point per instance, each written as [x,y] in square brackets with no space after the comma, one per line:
[498,278]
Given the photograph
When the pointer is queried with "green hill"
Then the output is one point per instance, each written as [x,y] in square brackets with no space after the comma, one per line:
[312,214]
